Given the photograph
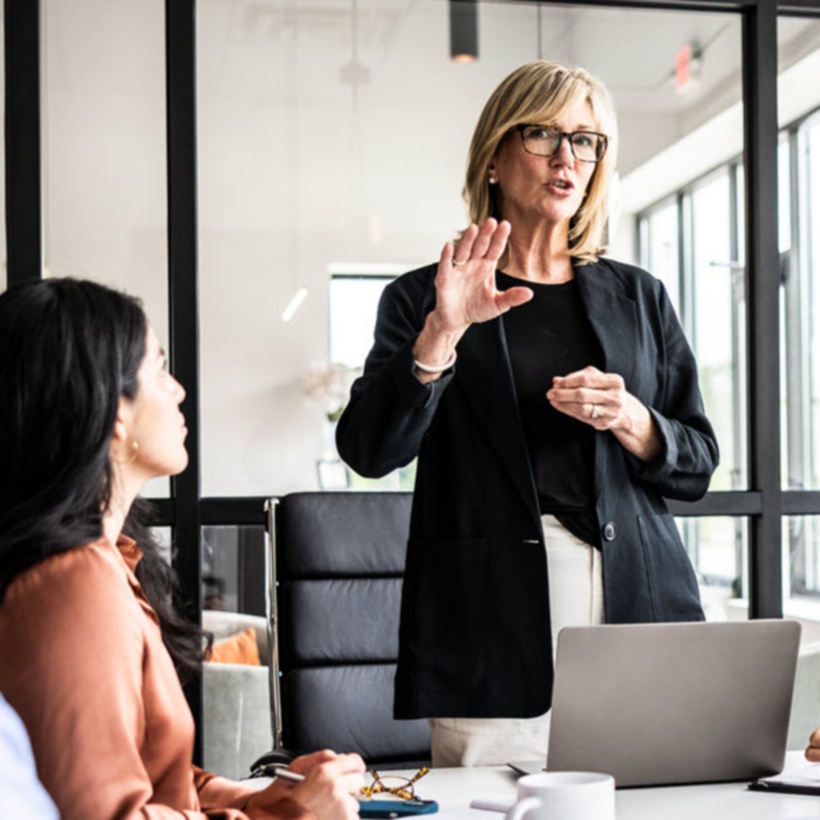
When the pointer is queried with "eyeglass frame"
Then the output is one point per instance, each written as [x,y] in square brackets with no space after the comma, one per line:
[403,792]
[562,135]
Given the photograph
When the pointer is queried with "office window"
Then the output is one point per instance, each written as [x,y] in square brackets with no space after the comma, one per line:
[712,308]
[660,248]
[801,269]
[800,303]
[693,242]
[718,548]
[799,185]
[717,321]
[702,226]
[801,573]
[352,304]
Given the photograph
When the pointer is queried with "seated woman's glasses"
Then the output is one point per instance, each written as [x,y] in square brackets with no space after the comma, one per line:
[399,787]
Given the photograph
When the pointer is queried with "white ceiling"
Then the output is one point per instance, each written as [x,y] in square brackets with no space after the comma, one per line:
[633,50]
[289,52]
[403,45]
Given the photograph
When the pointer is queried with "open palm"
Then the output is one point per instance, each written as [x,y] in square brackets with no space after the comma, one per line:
[465,281]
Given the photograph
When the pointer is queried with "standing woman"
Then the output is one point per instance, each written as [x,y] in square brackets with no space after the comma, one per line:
[91,645]
[553,403]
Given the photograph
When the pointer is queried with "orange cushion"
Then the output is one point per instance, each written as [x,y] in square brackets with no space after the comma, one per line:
[239,648]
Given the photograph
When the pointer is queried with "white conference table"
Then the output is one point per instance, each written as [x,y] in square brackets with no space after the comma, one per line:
[454,789]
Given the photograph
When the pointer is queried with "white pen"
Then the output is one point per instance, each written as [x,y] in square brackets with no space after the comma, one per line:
[295,777]
[491,805]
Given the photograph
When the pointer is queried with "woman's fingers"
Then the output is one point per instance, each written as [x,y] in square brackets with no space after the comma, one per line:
[589,377]
[305,763]
[513,297]
[486,243]
[464,247]
[445,262]
[589,395]
[483,239]
[330,789]
[498,241]
[465,284]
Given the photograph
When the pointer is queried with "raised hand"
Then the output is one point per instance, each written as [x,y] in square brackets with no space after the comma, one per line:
[465,281]
[465,293]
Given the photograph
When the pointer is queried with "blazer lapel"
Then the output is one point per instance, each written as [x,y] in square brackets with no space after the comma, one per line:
[613,317]
[485,374]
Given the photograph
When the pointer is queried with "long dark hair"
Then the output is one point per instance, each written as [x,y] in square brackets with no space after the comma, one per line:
[69,350]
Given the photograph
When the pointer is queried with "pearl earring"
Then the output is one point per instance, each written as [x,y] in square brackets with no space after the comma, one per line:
[492,180]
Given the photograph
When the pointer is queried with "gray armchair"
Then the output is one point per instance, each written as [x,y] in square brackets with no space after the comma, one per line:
[236,700]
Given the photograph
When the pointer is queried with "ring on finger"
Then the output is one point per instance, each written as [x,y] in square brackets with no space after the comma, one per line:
[457,262]
[594,412]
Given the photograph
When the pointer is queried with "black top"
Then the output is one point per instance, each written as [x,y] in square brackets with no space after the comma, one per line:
[551,336]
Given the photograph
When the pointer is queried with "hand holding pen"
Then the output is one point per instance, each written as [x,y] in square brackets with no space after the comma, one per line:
[323,782]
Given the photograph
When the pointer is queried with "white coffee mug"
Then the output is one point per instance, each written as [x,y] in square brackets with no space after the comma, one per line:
[565,796]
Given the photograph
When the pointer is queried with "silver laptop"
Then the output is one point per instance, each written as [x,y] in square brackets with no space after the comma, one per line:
[656,704]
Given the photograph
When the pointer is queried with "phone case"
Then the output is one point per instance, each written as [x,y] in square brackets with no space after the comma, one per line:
[396,808]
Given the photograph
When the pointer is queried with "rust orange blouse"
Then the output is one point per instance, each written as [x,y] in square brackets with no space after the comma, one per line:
[83,663]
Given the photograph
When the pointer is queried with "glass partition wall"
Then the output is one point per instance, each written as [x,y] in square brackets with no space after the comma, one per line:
[331,158]
[327,167]
[103,150]
[258,154]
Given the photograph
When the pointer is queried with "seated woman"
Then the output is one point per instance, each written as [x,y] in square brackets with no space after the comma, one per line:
[91,645]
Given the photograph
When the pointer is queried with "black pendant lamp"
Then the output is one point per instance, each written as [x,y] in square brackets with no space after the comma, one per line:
[463,31]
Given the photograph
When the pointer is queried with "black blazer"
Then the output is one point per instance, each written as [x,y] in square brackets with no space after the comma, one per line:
[474,639]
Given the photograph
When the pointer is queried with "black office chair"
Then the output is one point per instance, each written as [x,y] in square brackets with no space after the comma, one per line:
[336,561]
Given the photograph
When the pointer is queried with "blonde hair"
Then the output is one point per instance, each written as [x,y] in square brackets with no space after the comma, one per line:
[539,92]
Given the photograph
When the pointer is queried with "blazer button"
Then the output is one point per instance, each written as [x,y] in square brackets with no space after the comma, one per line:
[609,531]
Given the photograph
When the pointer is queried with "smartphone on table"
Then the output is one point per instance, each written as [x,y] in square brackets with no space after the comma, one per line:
[396,808]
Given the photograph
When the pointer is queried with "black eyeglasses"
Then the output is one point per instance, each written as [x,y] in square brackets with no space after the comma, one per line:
[544,141]
[400,787]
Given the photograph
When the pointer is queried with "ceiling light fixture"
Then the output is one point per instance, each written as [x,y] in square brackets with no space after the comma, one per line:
[293,305]
[463,31]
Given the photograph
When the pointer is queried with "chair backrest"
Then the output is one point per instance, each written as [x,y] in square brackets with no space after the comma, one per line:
[337,560]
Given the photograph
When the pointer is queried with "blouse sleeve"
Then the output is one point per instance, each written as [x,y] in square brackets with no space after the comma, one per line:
[390,410]
[215,792]
[77,644]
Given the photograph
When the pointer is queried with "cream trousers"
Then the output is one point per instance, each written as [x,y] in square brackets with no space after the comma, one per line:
[576,599]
